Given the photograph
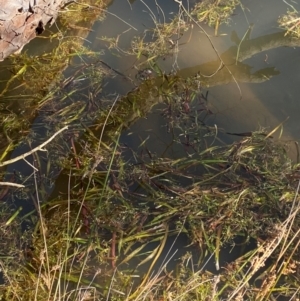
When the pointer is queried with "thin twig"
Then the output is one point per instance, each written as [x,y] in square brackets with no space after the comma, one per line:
[38,148]
[11,184]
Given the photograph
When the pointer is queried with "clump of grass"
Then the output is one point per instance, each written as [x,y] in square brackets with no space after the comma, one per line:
[113,209]
[80,14]
[215,12]
[41,73]
[161,41]
[291,23]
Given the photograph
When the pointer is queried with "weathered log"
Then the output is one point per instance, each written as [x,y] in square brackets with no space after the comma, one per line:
[22,20]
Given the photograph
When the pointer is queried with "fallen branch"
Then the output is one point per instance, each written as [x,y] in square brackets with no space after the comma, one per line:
[38,148]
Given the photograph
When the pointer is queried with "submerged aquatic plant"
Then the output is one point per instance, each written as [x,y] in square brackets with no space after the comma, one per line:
[111,213]
[91,239]
[163,40]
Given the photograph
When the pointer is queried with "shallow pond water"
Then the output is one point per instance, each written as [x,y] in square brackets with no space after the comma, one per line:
[267,77]
[265,95]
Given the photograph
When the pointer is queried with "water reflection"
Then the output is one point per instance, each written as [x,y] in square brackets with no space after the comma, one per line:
[262,59]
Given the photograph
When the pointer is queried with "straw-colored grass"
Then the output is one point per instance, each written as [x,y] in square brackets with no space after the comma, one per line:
[291,23]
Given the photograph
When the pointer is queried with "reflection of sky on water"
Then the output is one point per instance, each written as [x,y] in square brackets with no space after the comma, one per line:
[263,105]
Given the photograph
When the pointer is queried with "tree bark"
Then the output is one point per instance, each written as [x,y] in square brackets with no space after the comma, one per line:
[23,20]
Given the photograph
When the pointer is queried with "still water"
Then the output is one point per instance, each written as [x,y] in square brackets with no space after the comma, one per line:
[268,74]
